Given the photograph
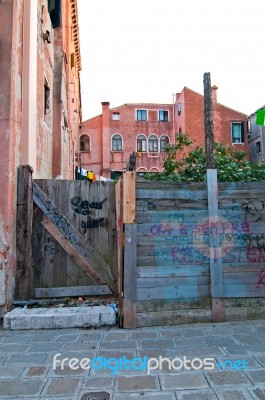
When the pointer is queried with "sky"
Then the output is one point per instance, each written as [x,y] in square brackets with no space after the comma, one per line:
[144,51]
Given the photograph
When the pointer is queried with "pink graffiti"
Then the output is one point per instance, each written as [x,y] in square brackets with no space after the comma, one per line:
[261,280]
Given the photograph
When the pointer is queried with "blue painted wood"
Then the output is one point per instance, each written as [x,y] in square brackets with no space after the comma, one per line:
[173,292]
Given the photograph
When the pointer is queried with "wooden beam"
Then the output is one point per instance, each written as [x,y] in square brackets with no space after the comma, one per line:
[72,239]
[130,276]
[129,197]
[120,234]
[216,271]
[96,290]
[24,272]
[72,252]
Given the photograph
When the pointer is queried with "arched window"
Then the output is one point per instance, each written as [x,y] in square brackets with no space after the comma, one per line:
[152,143]
[164,141]
[141,171]
[141,143]
[154,169]
[84,142]
[116,143]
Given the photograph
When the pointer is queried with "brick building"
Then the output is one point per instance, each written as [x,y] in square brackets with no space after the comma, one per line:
[39,107]
[107,140]
[230,126]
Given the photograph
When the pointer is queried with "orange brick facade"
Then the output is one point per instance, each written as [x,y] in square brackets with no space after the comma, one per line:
[157,122]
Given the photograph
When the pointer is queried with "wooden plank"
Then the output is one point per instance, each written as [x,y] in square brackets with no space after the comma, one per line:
[120,244]
[173,317]
[161,282]
[173,292]
[72,291]
[173,305]
[169,204]
[24,272]
[244,290]
[129,197]
[170,216]
[166,271]
[216,273]
[130,275]
[171,194]
[70,234]
[167,185]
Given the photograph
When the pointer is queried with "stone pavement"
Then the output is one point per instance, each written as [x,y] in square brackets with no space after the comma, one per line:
[26,357]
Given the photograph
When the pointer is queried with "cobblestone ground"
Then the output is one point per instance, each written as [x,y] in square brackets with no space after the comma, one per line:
[26,362]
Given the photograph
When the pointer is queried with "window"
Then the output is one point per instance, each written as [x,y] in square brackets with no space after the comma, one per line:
[54,7]
[152,144]
[237,130]
[141,143]
[47,93]
[163,115]
[115,116]
[84,142]
[179,108]
[141,115]
[164,141]
[116,143]
[258,147]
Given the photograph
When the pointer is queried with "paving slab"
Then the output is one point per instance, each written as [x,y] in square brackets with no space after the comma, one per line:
[186,380]
[233,394]
[227,378]
[135,383]
[149,396]
[196,395]
[20,387]
[258,393]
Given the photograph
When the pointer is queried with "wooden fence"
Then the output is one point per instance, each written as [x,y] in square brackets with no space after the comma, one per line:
[200,253]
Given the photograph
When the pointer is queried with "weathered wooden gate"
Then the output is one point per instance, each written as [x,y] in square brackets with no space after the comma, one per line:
[72,249]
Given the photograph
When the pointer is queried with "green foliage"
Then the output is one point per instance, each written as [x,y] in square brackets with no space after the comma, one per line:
[231,165]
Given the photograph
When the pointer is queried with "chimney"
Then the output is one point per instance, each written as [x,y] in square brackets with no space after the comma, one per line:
[214,94]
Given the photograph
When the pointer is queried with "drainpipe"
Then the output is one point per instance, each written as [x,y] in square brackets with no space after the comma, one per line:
[29,85]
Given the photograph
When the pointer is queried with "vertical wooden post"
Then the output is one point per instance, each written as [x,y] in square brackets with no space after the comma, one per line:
[208,121]
[216,271]
[24,273]
[120,233]
[129,197]
[130,276]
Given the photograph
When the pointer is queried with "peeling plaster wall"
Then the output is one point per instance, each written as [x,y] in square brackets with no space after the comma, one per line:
[11,15]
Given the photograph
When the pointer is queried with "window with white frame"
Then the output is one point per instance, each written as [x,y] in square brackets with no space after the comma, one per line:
[141,115]
[84,142]
[115,116]
[237,132]
[164,141]
[141,144]
[163,115]
[116,142]
[152,144]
